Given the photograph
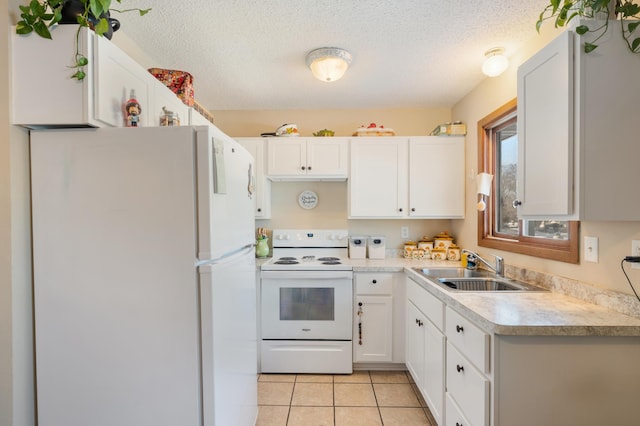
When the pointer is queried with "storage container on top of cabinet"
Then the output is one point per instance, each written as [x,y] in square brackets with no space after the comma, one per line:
[577,130]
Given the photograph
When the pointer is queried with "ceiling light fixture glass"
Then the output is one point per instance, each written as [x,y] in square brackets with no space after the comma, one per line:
[495,62]
[328,63]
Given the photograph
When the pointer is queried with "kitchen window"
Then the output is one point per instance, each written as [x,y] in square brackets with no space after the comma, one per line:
[498,224]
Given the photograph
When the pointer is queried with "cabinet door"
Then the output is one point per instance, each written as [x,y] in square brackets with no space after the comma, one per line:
[378,178]
[442,158]
[117,78]
[262,185]
[545,130]
[328,157]
[286,157]
[433,385]
[373,329]
[415,343]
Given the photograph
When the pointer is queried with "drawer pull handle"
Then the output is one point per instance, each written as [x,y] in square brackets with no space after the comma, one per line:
[459,328]
[459,368]
[419,322]
[459,424]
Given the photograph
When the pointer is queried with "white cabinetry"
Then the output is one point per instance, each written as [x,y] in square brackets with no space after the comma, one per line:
[373,321]
[45,95]
[467,362]
[296,158]
[417,177]
[262,185]
[577,155]
[425,352]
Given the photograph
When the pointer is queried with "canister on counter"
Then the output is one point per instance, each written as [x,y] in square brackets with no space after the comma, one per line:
[426,245]
[418,253]
[409,247]
[453,252]
[442,240]
[439,253]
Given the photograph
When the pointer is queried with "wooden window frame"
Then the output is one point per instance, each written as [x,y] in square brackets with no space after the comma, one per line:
[563,251]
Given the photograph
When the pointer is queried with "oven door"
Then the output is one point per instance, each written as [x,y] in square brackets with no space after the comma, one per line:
[306,305]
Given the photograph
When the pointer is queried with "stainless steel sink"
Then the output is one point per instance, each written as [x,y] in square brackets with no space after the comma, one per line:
[461,279]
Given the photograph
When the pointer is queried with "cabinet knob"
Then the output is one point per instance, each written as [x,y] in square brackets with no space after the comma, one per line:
[303,168]
[459,328]
[413,209]
[374,281]
[259,209]
[309,168]
[400,209]
[459,368]
[459,424]
[359,303]
[516,203]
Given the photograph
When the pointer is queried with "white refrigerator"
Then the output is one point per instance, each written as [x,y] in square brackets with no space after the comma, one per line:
[144,277]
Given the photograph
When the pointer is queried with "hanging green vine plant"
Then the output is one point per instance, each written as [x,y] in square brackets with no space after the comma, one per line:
[41,16]
[626,12]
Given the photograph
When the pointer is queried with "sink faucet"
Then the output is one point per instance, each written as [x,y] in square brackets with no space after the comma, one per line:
[473,256]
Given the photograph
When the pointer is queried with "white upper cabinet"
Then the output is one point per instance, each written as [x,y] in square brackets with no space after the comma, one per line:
[297,158]
[436,177]
[577,134]
[262,185]
[418,177]
[45,95]
[378,177]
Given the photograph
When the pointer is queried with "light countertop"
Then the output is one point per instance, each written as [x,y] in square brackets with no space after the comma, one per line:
[533,313]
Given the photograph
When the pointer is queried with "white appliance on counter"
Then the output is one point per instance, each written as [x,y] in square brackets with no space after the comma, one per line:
[144,277]
[307,304]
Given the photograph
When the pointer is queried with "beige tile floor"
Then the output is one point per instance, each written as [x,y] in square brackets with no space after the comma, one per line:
[362,398]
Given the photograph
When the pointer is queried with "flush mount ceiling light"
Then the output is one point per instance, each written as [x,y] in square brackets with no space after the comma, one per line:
[495,62]
[328,63]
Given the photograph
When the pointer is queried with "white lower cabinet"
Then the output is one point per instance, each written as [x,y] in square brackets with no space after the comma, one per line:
[468,387]
[425,350]
[379,330]
[373,318]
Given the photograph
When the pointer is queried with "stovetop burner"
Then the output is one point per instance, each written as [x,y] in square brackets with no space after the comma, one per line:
[286,262]
[332,262]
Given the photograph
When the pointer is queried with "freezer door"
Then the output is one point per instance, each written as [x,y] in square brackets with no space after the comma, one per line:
[225,194]
[229,346]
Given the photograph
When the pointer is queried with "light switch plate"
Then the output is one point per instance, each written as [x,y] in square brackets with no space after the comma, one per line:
[404,232]
[591,249]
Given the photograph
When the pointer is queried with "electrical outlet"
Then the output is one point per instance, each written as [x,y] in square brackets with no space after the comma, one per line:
[591,249]
[404,232]
[635,251]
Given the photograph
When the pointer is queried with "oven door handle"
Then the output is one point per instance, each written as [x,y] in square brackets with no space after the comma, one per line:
[315,275]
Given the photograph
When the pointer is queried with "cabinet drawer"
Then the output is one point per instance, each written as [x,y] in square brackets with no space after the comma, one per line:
[468,338]
[454,415]
[468,387]
[427,303]
[374,283]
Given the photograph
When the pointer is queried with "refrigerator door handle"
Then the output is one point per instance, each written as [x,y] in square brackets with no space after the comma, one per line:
[229,257]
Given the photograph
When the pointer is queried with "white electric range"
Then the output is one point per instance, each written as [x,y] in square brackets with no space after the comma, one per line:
[307,303]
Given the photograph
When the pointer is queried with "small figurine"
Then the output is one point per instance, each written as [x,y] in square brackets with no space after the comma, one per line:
[133,110]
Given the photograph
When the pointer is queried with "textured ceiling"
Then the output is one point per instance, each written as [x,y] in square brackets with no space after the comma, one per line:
[247,54]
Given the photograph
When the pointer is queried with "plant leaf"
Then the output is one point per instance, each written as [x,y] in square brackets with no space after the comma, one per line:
[589,47]
[635,44]
[82,61]
[632,26]
[23,28]
[144,11]
[582,29]
[42,30]
[79,75]
[101,27]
